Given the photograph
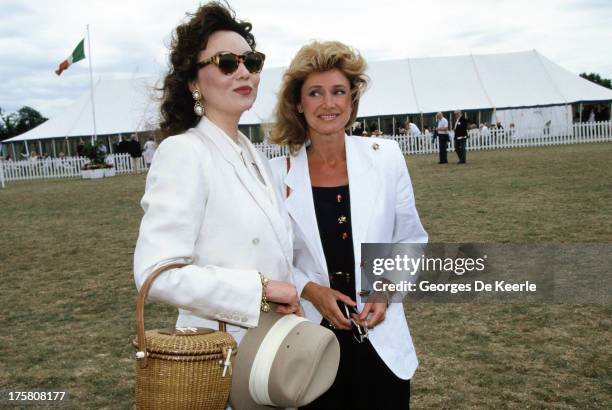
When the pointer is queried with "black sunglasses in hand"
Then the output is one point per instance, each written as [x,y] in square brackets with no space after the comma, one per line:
[228,62]
[360,333]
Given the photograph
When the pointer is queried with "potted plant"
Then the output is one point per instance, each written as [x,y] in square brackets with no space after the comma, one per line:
[97,167]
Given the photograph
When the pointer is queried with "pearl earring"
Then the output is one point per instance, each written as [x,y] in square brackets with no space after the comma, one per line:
[198,108]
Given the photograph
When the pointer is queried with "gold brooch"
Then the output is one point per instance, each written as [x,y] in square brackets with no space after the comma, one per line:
[375,146]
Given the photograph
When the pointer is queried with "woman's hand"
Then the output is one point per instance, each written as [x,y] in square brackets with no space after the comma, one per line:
[285,295]
[372,314]
[326,301]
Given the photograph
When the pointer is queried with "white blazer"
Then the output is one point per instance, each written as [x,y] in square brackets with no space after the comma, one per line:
[203,207]
[382,211]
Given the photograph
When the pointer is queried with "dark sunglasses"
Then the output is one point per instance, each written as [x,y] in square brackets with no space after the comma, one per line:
[360,334]
[228,62]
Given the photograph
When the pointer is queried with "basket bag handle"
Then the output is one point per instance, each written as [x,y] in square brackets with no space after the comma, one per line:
[141,355]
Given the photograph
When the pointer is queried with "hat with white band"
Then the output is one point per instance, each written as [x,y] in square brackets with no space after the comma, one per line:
[286,361]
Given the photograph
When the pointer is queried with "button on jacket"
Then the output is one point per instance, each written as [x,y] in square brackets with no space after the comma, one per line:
[382,211]
[205,208]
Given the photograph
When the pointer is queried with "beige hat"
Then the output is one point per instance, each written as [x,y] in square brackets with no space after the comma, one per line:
[286,361]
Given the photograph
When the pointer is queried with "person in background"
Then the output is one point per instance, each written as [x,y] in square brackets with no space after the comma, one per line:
[591,115]
[415,133]
[123,147]
[335,187]
[412,128]
[135,151]
[102,148]
[375,132]
[80,148]
[461,136]
[441,131]
[149,150]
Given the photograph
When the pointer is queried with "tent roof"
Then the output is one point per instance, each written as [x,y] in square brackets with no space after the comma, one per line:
[470,82]
[407,86]
[122,106]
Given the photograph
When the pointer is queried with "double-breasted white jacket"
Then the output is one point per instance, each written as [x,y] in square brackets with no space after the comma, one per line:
[382,211]
[203,208]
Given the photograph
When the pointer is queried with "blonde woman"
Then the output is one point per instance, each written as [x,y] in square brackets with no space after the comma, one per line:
[342,191]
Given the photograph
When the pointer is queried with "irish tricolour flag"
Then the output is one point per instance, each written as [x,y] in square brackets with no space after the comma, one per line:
[77,55]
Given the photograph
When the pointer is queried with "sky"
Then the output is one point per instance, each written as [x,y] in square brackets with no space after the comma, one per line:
[130,38]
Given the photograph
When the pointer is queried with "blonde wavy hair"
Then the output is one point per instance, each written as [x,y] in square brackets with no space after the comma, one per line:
[290,126]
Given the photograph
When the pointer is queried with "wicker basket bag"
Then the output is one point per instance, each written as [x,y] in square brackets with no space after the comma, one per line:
[181,368]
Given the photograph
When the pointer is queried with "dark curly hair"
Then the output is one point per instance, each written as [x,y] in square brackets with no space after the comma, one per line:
[188,40]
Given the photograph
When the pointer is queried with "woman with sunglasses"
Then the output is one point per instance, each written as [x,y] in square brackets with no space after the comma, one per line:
[208,201]
[342,191]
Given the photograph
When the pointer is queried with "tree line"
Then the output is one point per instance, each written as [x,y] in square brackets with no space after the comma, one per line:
[597,79]
[18,122]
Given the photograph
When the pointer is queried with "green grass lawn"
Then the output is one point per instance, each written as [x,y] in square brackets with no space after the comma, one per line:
[68,296]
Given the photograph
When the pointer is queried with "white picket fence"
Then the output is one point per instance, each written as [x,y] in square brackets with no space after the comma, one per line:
[271,150]
[67,167]
[579,133]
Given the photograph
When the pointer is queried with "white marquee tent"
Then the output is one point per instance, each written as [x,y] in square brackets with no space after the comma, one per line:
[398,87]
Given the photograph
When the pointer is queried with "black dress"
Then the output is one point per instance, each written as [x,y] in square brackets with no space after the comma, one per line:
[363,381]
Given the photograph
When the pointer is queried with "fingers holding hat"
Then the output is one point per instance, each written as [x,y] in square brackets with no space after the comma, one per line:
[289,308]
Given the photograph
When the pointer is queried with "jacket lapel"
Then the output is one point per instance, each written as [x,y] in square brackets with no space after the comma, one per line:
[300,206]
[364,186]
[267,203]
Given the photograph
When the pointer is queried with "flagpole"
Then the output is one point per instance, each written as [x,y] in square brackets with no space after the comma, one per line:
[91,87]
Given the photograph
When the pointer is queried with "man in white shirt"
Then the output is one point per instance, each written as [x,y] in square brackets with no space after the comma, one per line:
[442,130]
[413,129]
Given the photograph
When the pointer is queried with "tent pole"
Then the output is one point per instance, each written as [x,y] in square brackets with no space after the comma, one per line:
[68,147]
[91,89]
[422,128]
[393,119]
[379,130]
[40,150]
[54,150]
[479,119]
[14,154]
[580,112]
